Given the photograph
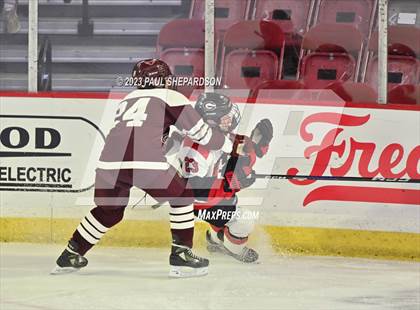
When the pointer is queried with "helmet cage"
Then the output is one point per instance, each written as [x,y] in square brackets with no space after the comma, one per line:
[212,107]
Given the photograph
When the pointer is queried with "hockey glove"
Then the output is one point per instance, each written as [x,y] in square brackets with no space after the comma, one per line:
[261,137]
[239,174]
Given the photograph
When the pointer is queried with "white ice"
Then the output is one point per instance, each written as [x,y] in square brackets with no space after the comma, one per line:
[136,278]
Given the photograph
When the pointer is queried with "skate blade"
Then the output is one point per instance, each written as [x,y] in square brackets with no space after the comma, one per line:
[223,250]
[63,270]
[215,248]
[187,272]
[240,259]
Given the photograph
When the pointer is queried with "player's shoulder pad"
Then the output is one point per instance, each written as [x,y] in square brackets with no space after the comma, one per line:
[171,97]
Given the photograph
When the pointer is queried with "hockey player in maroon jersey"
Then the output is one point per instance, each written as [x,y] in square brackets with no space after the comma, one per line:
[216,179]
[133,155]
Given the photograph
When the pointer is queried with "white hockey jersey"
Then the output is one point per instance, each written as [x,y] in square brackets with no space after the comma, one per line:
[196,161]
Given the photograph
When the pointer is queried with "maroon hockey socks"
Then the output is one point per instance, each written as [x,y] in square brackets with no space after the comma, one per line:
[94,225]
[182,225]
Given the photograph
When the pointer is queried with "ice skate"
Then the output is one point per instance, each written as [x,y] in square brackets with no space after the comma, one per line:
[69,262]
[185,264]
[214,246]
[246,255]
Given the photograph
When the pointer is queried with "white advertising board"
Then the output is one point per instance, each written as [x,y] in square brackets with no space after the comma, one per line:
[49,148]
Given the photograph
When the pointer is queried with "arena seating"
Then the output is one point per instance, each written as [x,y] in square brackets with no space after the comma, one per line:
[181,33]
[252,53]
[227,12]
[181,45]
[354,92]
[126,31]
[334,55]
[293,16]
[188,62]
[405,94]
[403,49]
[358,13]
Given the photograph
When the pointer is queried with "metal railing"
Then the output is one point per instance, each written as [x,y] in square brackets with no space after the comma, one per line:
[85,26]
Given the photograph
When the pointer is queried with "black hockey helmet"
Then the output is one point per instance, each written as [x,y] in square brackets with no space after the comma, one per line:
[153,70]
[213,106]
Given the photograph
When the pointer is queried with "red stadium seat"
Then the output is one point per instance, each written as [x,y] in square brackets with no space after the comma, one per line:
[320,69]
[408,36]
[293,16]
[181,45]
[247,69]
[354,92]
[405,94]
[226,13]
[402,70]
[181,33]
[334,49]
[185,63]
[358,13]
[403,48]
[251,54]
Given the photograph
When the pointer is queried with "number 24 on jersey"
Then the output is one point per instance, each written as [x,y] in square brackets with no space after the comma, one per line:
[134,115]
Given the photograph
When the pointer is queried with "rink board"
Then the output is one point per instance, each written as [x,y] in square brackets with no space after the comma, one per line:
[324,217]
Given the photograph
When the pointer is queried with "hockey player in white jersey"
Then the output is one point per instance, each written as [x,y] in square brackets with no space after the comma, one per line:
[216,178]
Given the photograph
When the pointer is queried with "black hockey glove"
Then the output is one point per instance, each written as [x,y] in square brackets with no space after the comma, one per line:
[261,137]
[238,174]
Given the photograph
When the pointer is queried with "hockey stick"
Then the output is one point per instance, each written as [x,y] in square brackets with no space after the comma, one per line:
[333,178]
[324,178]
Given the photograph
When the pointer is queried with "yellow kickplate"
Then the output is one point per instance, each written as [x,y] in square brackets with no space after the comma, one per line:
[126,233]
[345,242]
[284,240]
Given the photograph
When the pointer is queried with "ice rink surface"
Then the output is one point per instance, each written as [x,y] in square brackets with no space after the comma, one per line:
[131,278]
